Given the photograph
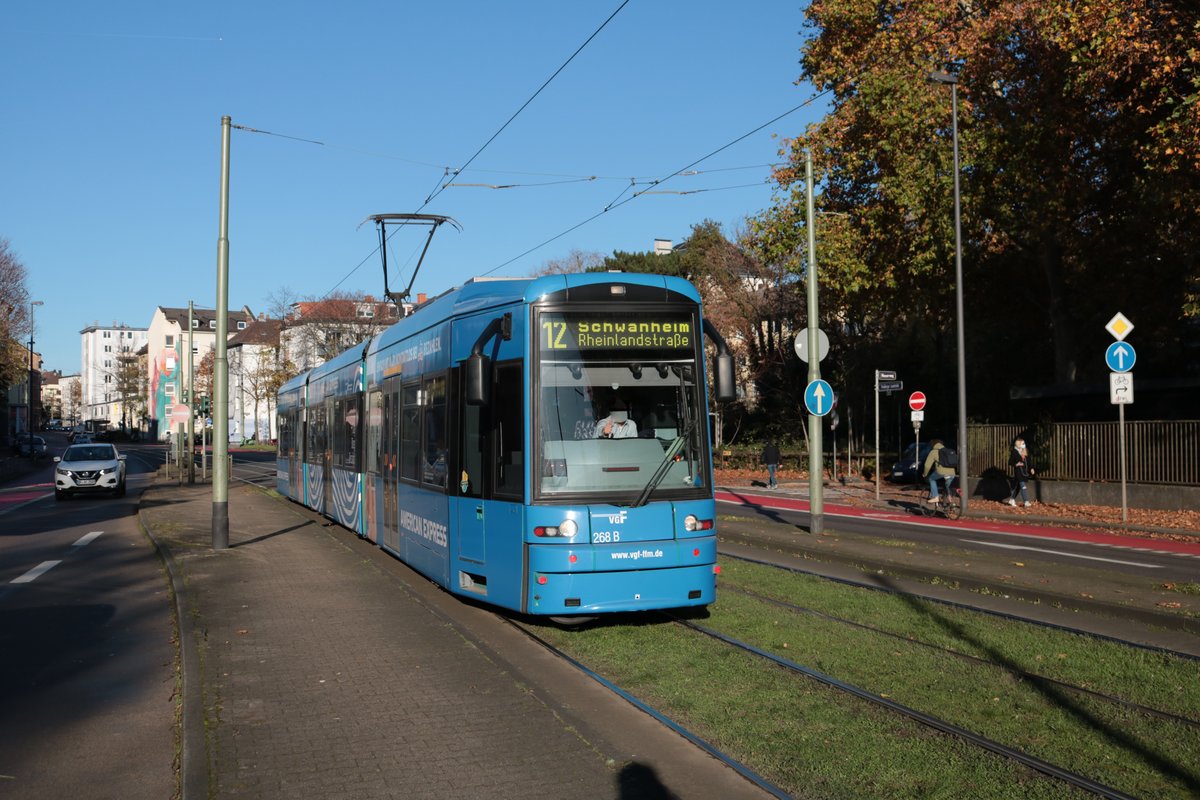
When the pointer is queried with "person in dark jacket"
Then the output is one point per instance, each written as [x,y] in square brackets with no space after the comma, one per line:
[1018,459]
[770,457]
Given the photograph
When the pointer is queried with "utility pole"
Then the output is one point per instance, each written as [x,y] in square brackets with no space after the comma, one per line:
[220,411]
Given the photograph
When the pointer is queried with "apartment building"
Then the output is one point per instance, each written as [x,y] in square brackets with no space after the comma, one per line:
[106,400]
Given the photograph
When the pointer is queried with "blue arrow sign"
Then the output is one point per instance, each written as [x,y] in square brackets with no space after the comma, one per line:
[1120,356]
[818,398]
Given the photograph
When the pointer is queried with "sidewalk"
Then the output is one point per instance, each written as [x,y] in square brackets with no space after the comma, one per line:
[316,666]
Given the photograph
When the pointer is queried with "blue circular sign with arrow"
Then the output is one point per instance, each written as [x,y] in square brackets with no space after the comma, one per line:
[1120,356]
[818,398]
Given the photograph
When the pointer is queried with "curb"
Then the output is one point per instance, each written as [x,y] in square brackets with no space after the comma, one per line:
[193,761]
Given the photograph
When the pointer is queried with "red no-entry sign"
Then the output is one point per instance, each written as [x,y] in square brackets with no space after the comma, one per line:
[916,401]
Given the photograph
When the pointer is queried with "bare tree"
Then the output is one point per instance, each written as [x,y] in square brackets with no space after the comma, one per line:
[15,319]
[320,329]
[575,261]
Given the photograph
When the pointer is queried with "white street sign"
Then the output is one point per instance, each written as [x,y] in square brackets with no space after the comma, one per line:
[918,416]
[1119,326]
[801,345]
[1120,388]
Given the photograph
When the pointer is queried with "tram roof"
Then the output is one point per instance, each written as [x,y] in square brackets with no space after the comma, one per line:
[347,358]
[479,294]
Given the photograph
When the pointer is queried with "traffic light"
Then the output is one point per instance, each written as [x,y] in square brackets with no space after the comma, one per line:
[204,406]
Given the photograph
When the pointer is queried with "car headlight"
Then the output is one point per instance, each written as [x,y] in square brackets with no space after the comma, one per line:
[61,471]
[108,471]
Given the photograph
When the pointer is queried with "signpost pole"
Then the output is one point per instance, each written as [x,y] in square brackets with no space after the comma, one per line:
[1120,358]
[878,484]
[816,496]
[1121,439]
[191,398]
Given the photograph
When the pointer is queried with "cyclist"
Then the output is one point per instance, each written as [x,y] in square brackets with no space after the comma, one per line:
[934,471]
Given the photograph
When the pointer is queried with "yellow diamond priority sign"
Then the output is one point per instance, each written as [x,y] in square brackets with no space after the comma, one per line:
[1119,326]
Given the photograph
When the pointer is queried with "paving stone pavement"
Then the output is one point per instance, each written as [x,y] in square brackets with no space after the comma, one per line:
[325,677]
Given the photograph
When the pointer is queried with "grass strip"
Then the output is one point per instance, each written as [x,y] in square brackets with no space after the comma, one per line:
[803,736]
[1135,674]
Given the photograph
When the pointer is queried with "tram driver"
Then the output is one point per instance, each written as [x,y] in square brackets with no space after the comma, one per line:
[617,425]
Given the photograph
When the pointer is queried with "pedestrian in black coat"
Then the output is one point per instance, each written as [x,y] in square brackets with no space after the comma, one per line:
[770,457]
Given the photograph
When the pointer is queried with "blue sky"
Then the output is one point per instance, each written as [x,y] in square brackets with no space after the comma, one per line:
[110,140]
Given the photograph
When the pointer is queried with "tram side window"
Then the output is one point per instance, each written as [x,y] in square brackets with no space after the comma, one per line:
[344,428]
[471,459]
[509,439]
[314,451]
[434,465]
[410,432]
[284,425]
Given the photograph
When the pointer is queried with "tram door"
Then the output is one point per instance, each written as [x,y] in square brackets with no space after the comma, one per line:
[390,463]
[327,458]
[472,457]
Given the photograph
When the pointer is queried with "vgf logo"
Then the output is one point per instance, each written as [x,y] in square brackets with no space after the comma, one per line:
[615,519]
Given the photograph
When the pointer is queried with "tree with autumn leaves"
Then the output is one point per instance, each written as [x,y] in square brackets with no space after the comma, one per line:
[1079,131]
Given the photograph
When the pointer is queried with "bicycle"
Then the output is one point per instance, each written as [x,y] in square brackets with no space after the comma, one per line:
[947,504]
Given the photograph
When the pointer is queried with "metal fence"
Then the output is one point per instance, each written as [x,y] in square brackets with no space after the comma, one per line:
[1166,452]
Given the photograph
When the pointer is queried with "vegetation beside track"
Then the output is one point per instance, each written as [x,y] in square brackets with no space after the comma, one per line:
[816,742]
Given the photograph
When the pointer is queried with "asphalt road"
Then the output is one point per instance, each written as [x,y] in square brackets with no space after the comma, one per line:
[87,660]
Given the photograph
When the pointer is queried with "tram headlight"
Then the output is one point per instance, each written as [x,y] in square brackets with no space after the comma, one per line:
[692,523]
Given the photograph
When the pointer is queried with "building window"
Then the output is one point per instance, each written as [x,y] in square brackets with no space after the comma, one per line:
[169,390]
[170,341]
[241,326]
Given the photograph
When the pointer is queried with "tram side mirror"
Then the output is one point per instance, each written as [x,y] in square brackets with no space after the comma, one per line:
[724,388]
[478,379]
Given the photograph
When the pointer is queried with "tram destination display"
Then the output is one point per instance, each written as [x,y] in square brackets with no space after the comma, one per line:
[640,332]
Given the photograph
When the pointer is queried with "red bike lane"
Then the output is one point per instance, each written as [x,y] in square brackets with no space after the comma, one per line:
[14,496]
[1045,531]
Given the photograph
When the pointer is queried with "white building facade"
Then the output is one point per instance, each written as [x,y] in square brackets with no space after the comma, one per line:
[102,349]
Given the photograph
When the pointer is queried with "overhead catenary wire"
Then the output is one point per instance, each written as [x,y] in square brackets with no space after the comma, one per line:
[683,170]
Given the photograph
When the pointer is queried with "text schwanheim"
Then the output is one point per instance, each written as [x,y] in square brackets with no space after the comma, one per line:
[634,334]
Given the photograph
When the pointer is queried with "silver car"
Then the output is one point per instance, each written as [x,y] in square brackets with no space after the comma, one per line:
[92,467]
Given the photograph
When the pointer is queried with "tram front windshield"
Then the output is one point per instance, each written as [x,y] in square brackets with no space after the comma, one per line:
[619,409]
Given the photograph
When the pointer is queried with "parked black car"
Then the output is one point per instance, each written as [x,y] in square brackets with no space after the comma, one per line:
[908,468]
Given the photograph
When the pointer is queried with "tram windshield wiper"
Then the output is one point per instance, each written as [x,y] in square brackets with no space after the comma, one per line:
[665,466]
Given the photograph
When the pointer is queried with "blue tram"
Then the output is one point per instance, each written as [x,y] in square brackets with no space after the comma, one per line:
[465,441]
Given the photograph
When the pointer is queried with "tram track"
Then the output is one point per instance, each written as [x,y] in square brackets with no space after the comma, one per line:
[693,737]
[1019,674]
[981,609]
[971,729]
[927,720]
[936,723]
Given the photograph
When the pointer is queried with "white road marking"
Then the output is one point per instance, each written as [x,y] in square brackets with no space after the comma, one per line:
[36,572]
[1062,553]
[87,538]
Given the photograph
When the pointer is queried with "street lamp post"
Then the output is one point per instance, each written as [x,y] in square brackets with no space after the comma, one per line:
[952,81]
[29,394]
